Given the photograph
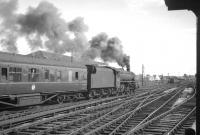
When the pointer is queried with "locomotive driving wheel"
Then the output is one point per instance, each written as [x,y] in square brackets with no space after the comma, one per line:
[91,94]
[122,89]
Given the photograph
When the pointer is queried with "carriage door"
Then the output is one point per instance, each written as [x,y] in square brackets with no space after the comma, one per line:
[70,76]
[4,74]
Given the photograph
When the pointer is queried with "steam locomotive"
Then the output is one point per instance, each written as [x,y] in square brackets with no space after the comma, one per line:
[27,80]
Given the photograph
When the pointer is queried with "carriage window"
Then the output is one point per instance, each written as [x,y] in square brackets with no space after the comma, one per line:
[69,75]
[76,75]
[33,75]
[46,74]
[58,74]
[52,75]
[4,74]
[15,74]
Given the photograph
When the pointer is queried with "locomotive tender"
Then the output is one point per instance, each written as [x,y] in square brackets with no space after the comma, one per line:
[26,80]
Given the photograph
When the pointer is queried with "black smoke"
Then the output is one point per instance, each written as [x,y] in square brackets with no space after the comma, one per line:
[8,27]
[108,49]
[43,27]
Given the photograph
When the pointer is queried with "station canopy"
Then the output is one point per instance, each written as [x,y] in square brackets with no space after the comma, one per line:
[182,4]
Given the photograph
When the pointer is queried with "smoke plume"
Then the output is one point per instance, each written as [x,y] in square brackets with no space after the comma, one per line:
[43,28]
[8,27]
[108,49]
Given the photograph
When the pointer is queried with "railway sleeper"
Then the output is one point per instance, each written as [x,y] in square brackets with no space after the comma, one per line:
[152,133]
[157,128]
[76,122]
[133,122]
[73,109]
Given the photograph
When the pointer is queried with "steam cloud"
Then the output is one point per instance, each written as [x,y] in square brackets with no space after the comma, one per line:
[43,27]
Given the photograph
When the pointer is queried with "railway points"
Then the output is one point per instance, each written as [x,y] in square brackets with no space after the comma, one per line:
[111,115]
[167,122]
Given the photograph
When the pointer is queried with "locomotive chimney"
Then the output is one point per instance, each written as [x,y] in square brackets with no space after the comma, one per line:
[128,64]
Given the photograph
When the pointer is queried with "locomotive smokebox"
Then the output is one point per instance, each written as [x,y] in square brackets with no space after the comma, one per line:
[128,64]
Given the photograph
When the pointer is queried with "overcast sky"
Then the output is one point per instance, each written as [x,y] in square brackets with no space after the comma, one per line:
[164,41]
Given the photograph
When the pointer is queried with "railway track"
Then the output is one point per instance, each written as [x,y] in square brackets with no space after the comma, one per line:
[9,124]
[186,122]
[20,124]
[70,125]
[153,88]
[13,114]
[17,112]
[64,119]
[115,113]
[131,118]
[170,122]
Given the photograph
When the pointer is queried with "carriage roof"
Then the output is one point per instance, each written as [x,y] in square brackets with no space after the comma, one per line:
[30,59]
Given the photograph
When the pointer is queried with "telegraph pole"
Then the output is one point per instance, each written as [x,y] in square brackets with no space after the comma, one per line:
[142,74]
